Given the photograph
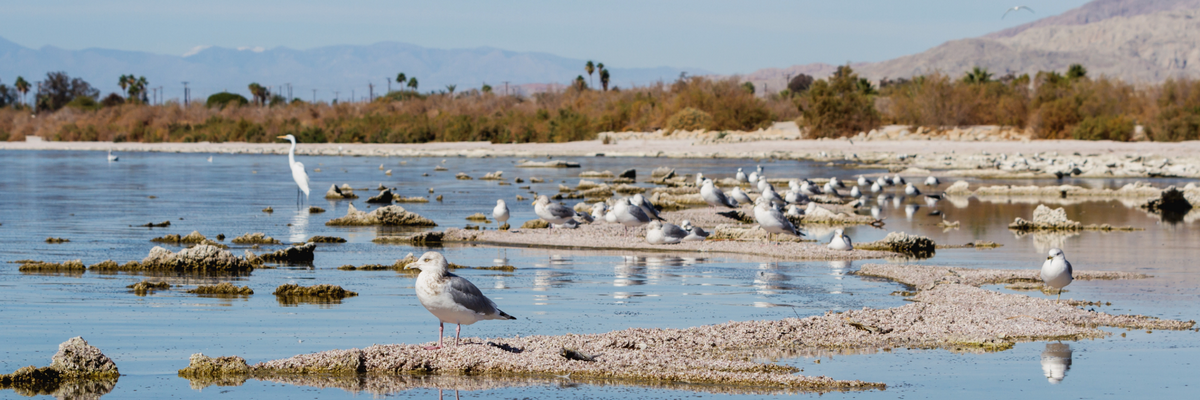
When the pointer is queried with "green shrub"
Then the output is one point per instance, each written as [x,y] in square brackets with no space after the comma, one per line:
[223,99]
[1176,124]
[839,106]
[689,119]
[84,103]
[1104,127]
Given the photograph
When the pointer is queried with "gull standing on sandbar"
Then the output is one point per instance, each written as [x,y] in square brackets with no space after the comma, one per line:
[714,196]
[1056,271]
[500,213]
[771,220]
[840,241]
[451,298]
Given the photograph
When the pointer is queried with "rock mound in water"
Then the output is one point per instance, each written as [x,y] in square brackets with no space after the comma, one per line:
[385,196]
[295,254]
[1171,200]
[255,238]
[344,192]
[49,267]
[960,188]
[202,258]
[535,224]
[204,371]
[900,242]
[1046,219]
[292,294]
[326,239]
[390,215]
[429,237]
[146,286]
[222,289]
[77,371]
[77,358]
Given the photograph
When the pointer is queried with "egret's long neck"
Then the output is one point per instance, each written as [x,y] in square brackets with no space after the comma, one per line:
[292,153]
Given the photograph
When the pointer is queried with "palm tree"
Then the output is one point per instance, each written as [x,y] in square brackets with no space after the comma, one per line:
[412,83]
[978,75]
[400,79]
[140,84]
[589,67]
[124,81]
[580,83]
[260,93]
[604,78]
[22,86]
[450,88]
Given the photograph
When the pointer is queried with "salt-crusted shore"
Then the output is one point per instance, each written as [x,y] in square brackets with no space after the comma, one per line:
[947,311]
[988,159]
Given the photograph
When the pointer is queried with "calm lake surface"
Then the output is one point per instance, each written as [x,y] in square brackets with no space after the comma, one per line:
[98,205]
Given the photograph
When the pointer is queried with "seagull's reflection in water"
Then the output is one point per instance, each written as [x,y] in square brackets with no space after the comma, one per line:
[1056,361]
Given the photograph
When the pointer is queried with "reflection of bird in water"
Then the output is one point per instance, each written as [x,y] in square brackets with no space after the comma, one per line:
[1017,8]
[451,298]
[298,173]
[209,158]
[112,157]
[910,209]
[1056,271]
[1056,361]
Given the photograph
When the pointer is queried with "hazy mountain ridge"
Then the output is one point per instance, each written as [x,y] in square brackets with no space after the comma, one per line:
[342,68]
[1134,40]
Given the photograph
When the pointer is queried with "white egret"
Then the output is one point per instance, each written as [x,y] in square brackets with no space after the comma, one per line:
[298,173]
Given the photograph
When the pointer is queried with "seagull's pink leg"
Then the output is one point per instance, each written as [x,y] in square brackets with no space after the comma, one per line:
[441,329]
[457,330]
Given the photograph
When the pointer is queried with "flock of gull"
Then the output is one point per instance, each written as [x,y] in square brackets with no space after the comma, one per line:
[453,299]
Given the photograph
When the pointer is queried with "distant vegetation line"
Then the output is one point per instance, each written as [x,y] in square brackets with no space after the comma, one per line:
[1051,104]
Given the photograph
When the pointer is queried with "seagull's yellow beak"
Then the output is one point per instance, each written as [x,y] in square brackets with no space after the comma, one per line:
[1049,258]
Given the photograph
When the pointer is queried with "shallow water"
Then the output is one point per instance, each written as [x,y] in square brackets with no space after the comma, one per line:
[97,205]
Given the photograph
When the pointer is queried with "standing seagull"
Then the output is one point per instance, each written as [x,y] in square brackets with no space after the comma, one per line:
[714,196]
[840,241]
[741,176]
[771,220]
[911,190]
[738,195]
[112,158]
[629,215]
[500,213]
[1056,271]
[1017,8]
[451,298]
[298,173]
[646,206]
[554,213]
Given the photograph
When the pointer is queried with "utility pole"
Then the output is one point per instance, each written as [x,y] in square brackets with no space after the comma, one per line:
[389,79]
[161,94]
[335,96]
[314,96]
[370,91]
[153,95]
[185,94]
[506,88]
[289,92]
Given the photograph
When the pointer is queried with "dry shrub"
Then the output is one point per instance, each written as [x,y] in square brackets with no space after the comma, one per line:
[689,119]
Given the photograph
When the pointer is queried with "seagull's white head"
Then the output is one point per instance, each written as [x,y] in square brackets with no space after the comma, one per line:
[500,202]
[430,261]
[541,200]
[841,232]
[654,224]
[686,225]
[1055,253]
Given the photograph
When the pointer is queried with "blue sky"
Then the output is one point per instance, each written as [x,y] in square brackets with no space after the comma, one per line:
[720,36]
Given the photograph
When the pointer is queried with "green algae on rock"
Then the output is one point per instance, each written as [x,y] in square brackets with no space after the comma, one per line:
[428,237]
[71,266]
[325,239]
[144,287]
[294,254]
[255,238]
[203,371]
[76,370]
[535,224]
[900,242]
[222,289]
[391,216]
[57,240]
[201,258]
[291,294]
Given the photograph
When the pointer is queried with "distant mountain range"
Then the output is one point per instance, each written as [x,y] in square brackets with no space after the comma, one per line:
[1135,40]
[344,69]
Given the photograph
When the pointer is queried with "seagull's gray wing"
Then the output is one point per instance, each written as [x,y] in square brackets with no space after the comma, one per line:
[467,295]
[638,213]
[698,231]
[674,231]
[560,211]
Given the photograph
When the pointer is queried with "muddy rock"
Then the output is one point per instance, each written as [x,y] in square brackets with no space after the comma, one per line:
[202,258]
[57,240]
[960,188]
[477,217]
[48,267]
[429,237]
[390,215]
[292,294]
[222,289]
[325,239]
[548,164]
[1171,201]
[628,174]
[1046,219]
[900,242]
[144,287]
[255,238]
[203,371]
[77,358]
[493,176]
[815,214]
[535,224]
[294,254]
[385,196]
[194,237]
[344,192]
[77,371]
